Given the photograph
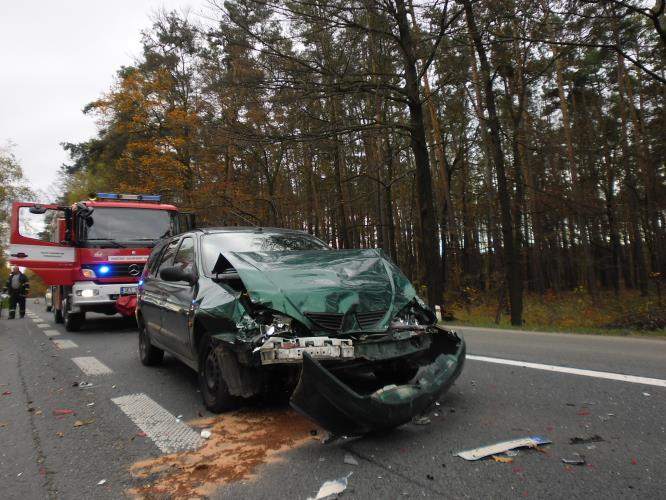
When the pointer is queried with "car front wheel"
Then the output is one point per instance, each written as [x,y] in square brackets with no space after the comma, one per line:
[213,388]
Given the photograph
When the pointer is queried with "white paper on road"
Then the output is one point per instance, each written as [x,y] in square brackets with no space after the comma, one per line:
[494,449]
[572,371]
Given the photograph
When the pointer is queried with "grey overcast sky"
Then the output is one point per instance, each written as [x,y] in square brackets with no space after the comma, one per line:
[57,56]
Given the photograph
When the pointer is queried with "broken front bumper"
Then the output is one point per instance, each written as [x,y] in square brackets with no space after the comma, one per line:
[325,399]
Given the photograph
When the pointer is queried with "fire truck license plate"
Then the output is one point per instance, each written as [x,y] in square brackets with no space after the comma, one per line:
[127,290]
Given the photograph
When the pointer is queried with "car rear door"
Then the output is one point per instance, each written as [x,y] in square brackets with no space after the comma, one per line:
[39,240]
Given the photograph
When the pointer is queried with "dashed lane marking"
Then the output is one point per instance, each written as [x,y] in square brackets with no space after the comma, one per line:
[92,366]
[169,434]
[573,371]
[51,333]
[64,344]
[42,325]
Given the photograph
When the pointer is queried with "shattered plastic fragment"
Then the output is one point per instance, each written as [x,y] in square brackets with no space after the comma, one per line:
[61,412]
[350,459]
[206,434]
[497,448]
[100,483]
[576,459]
[333,487]
[502,459]
[585,440]
[421,420]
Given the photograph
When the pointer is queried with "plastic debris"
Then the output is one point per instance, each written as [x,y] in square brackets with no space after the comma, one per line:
[646,394]
[334,487]
[511,453]
[60,434]
[585,440]
[91,404]
[206,434]
[141,434]
[503,446]
[502,459]
[576,459]
[350,459]
[421,421]
[100,483]
[61,412]
[6,393]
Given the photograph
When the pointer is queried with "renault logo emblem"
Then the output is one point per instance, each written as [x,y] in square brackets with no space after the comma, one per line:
[134,269]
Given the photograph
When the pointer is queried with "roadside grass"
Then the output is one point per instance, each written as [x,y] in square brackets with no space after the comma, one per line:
[569,312]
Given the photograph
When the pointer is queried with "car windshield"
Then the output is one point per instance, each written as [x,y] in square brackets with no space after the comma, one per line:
[127,225]
[213,244]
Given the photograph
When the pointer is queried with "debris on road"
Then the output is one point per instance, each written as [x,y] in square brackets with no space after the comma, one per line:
[334,487]
[646,394]
[350,459]
[81,423]
[100,483]
[60,434]
[585,440]
[62,412]
[206,434]
[6,393]
[501,447]
[502,459]
[584,413]
[421,420]
[576,459]
[141,434]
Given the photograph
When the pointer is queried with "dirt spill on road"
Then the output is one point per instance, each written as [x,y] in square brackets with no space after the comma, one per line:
[240,442]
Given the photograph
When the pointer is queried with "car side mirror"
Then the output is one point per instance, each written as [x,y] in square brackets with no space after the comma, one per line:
[177,274]
[37,209]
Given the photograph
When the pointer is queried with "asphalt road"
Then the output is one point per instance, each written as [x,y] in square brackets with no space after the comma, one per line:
[267,452]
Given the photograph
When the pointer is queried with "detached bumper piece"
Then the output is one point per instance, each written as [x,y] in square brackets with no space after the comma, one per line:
[325,399]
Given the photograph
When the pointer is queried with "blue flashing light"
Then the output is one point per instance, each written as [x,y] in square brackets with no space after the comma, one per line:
[103,269]
[151,197]
[129,197]
[108,196]
[140,282]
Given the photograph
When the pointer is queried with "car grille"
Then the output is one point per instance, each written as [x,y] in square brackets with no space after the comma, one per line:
[117,270]
[369,319]
[333,321]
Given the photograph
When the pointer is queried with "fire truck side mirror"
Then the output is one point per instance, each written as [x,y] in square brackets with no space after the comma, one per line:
[38,210]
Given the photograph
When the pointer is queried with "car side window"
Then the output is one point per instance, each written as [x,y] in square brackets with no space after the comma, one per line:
[185,256]
[154,260]
[167,256]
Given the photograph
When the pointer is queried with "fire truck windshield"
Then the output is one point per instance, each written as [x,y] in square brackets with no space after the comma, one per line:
[115,226]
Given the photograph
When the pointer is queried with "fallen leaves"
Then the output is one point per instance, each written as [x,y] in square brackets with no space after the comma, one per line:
[81,423]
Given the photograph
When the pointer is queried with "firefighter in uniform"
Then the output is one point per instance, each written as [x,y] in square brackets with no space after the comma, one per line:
[17,287]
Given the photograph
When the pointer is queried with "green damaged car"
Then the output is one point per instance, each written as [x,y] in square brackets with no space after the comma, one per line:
[271,309]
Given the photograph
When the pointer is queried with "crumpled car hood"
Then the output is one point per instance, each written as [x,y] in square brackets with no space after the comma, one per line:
[302,284]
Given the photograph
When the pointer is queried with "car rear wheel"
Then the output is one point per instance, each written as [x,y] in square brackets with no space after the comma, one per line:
[213,388]
[148,353]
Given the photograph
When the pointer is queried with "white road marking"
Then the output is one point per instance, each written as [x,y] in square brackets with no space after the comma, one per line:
[51,333]
[92,366]
[573,371]
[168,434]
[64,344]
[42,325]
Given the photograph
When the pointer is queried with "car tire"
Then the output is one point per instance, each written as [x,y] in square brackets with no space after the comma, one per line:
[213,388]
[72,320]
[148,353]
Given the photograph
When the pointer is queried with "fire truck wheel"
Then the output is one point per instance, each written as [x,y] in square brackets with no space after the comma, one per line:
[148,353]
[72,320]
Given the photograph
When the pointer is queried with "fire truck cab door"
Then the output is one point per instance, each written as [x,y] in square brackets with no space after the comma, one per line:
[36,242]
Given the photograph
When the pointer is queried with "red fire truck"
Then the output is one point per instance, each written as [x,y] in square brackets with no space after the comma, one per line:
[91,253]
